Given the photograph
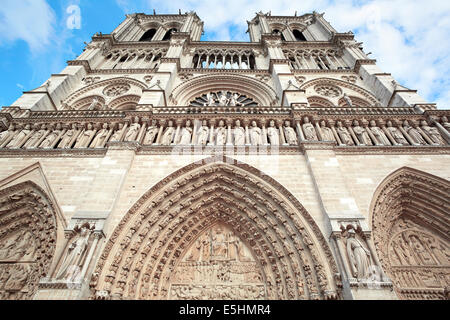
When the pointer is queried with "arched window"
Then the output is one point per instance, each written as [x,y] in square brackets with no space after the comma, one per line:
[276,31]
[148,35]
[169,34]
[298,35]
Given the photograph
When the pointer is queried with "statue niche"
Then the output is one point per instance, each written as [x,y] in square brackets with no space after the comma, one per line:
[217,265]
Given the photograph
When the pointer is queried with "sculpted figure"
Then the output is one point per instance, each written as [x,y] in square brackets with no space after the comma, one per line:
[327,133]
[133,131]
[445,123]
[203,133]
[239,134]
[396,134]
[432,132]
[223,100]
[361,134]
[379,134]
[116,136]
[255,134]
[8,246]
[413,133]
[234,100]
[186,134]
[211,101]
[74,255]
[344,134]
[348,100]
[422,255]
[289,132]
[85,137]
[101,136]
[308,128]
[18,278]
[51,137]
[5,134]
[221,134]
[95,105]
[31,143]
[168,134]
[272,134]
[67,137]
[14,143]
[152,132]
[358,255]
[219,244]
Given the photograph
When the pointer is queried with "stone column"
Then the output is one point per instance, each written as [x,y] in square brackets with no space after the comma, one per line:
[247,134]
[365,125]
[282,137]
[348,124]
[179,122]
[382,125]
[162,123]
[444,133]
[301,137]
[332,123]
[229,136]
[262,123]
[212,123]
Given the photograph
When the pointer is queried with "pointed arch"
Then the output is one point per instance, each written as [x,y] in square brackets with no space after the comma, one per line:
[410,216]
[28,232]
[147,245]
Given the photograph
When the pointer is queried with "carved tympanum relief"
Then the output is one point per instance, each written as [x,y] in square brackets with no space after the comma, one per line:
[27,239]
[223,98]
[218,265]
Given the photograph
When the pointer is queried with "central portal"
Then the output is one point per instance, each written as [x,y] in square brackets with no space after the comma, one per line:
[218,265]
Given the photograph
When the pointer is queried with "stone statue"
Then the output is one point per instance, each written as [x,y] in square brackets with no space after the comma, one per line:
[5,134]
[67,137]
[85,137]
[221,134]
[289,132]
[327,133]
[31,143]
[379,134]
[133,131]
[203,133]
[344,134]
[445,123]
[116,136]
[234,100]
[74,255]
[308,128]
[223,100]
[239,134]
[413,133]
[100,138]
[211,101]
[273,134]
[94,104]
[396,134]
[16,141]
[51,137]
[152,132]
[255,134]
[432,132]
[361,134]
[168,134]
[186,134]
[348,101]
[359,256]
[18,279]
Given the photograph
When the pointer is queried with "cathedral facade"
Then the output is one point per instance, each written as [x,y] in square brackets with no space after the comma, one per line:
[159,166]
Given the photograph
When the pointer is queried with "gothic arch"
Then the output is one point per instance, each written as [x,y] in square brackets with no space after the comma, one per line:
[27,239]
[320,102]
[254,89]
[353,89]
[294,259]
[127,102]
[411,222]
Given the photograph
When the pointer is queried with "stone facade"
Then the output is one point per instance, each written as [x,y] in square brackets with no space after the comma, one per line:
[159,166]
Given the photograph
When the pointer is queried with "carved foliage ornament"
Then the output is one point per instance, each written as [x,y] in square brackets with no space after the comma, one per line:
[27,239]
[328,90]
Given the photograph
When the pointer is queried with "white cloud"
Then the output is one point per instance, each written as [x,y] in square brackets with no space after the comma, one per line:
[28,20]
[409,38]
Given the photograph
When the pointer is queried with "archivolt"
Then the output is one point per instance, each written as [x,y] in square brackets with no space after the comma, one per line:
[150,240]
[27,239]
[258,91]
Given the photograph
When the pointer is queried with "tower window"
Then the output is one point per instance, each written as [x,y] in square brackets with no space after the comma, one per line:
[276,31]
[148,35]
[298,35]
[169,34]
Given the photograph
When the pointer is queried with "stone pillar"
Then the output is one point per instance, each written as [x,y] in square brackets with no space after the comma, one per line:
[229,136]
[262,123]
[282,137]
[179,122]
[162,123]
[211,132]
[247,134]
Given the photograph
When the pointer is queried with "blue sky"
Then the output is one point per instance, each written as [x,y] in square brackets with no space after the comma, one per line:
[408,38]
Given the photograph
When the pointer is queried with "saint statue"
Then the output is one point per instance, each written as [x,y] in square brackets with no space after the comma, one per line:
[31,143]
[255,134]
[210,100]
[223,100]
[348,101]
[359,257]
[116,136]
[167,137]
[413,133]
[379,133]
[5,134]
[18,138]
[102,134]
[68,137]
[221,134]
[396,134]
[152,132]
[432,132]
[308,128]
[202,133]
[273,134]
[186,134]
[327,133]
[133,131]
[361,134]
[445,123]
[239,134]
[344,134]
[85,137]
[289,132]
[51,137]
[74,255]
